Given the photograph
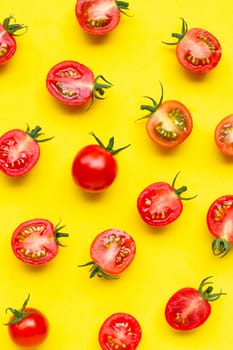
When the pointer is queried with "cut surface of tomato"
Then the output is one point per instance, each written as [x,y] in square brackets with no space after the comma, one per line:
[7,45]
[120,331]
[224,135]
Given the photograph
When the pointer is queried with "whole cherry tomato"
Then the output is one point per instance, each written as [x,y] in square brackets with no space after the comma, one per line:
[197,50]
[224,135]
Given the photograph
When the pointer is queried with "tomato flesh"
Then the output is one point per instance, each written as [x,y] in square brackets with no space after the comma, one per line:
[31,331]
[170,124]
[33,242]
[7,45]
[186,309]
[71,83]
[224,135]
[97,17]
[120,331]
[19,153]
[158,204]
[198,51]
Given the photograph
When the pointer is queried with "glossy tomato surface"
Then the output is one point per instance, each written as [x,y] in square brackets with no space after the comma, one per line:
[19,152]
[97,17]
[94,168]
[186,309]
[158,204]
[7,45]
[199,51]
[224,135]
[70,82]
[170,124]
[34,241]
[113,250]
[120,331]
[31,331]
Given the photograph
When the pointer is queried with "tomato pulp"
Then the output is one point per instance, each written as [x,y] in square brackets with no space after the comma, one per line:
[224,135]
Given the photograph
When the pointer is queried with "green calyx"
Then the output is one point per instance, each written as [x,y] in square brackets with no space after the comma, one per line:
[110,145]
[205,289]
[12,27]
[180,190]
[220,247]
[178,36]
[59,234]
[18,315]
[122,5]
[36,133]
[96,270]
[152,108]
[100,86]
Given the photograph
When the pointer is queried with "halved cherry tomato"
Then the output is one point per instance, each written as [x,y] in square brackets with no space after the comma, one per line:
[189,308]
[197,50]
[94,167]
[220,224]
[99,17]
[120,331]
[19,150]
[169,123]
[112,251]
[36,241]
[9,29]
[224,135]
[73,83]
[160,204]
[27,327]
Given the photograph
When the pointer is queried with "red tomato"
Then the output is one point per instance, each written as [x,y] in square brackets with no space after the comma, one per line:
[19,150]
[94,167]
[28,327]
[220,224]
[36,241]
[8,30]
[99,17]
[197,50]
[189,308]
[160,204]
[112,251]
[224,135]
[73,83]
[120,331]
[169,123]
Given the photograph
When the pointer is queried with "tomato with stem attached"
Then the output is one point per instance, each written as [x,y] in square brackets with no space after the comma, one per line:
[169,123]
[189,308]
[74,84]
[160,204]
[112,251]
[27,327]
[36,241]
[20,151]
[8,30]
[220,224]
[224,135]
[94,167]
[197,50]
[120,331]
[100,17]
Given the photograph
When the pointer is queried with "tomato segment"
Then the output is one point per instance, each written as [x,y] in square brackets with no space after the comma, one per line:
[120,331]
[224,135]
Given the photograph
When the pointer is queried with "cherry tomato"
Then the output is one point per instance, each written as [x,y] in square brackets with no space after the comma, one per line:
[36,241]
[74,84]
[220,224]
[99,17]
[19,150]
[28,327]
[120,331]
[169,123]
[197,50]
[9,29]
[112,251]
[94,167]
[224,135]
[189,308]
[159,204]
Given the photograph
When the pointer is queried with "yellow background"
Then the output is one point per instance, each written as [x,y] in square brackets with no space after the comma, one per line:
[179,255]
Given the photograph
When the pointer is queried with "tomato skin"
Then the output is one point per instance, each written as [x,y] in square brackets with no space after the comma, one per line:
[120,331]
[97,17]
[170,124]
[31,331]
[7,45]
[224,135]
